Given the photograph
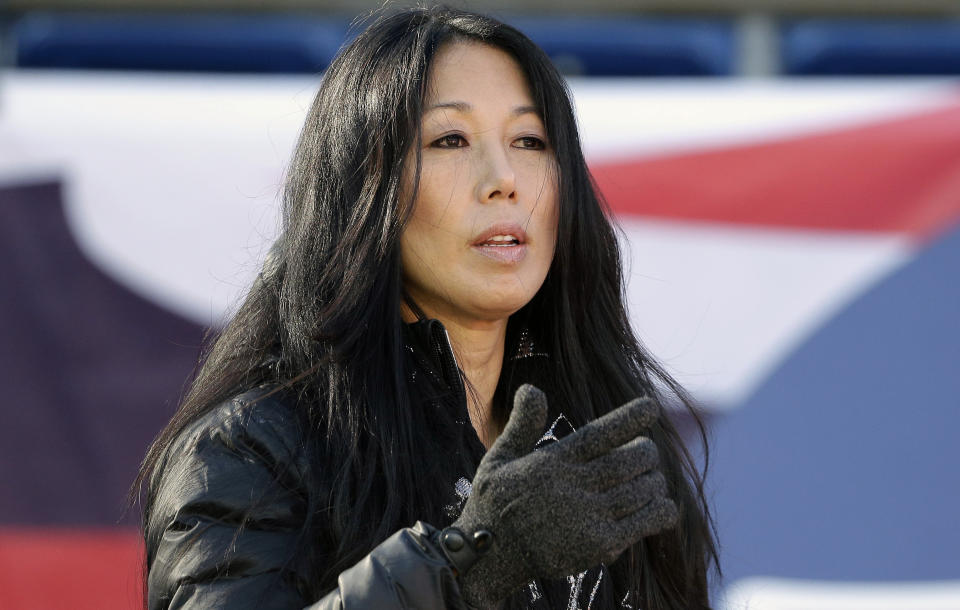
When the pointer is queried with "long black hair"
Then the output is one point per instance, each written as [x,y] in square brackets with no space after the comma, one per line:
[323,319]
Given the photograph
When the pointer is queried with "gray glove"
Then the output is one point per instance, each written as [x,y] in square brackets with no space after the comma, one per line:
[561,509]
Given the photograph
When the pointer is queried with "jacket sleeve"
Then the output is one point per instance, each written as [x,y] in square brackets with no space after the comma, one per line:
[405,571]
[228,510]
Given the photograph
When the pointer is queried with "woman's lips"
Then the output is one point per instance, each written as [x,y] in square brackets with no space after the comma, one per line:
[501,229]
[504,242]
[509,254]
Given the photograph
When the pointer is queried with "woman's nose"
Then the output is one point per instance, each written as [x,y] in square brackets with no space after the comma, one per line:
[498,180]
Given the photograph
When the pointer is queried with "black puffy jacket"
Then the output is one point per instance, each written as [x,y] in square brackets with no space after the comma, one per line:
[221,472]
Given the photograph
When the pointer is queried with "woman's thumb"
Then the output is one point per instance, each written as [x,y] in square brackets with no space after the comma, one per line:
[525,426]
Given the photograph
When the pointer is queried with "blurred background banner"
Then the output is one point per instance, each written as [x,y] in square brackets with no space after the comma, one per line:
[786,175]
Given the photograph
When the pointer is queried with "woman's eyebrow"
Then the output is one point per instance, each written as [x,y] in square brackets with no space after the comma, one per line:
[466,107]
[458,106]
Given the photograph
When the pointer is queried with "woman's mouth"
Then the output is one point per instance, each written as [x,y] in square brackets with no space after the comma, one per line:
[501,240]
[504,243]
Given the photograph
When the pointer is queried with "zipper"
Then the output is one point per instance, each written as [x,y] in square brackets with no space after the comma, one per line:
[448,361]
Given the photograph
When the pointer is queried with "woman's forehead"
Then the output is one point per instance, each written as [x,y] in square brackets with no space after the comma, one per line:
[466,75]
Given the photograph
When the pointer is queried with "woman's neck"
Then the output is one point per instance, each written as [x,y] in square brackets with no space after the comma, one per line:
[478,346]
[479,351]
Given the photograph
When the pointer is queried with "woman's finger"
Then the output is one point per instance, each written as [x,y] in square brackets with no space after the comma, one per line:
[632,496]
[617,466]
[612,430]
[524,427]
[658,515]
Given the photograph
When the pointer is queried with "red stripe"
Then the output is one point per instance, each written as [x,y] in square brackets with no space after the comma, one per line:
[42,569]
[899,175]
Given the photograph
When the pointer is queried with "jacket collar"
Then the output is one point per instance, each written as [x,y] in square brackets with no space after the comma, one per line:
[429,344]
[430,338]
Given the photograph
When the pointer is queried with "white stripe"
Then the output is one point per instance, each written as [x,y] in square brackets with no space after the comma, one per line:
[786,594]
[721,306]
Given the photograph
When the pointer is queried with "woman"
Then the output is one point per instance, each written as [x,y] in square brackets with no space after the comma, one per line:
[367,431]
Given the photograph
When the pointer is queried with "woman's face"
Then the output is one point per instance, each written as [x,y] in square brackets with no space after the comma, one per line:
[484,225]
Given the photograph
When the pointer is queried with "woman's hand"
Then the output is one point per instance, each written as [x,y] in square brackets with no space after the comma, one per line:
[565,507]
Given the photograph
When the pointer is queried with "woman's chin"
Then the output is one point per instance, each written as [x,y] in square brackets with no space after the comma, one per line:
[499,307]
[477,297]
[503,296]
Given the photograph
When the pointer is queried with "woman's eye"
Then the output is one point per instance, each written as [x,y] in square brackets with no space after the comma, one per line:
[450,141]
[531,142]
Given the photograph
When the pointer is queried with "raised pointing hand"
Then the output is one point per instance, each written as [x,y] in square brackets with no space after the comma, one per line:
[565,507]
